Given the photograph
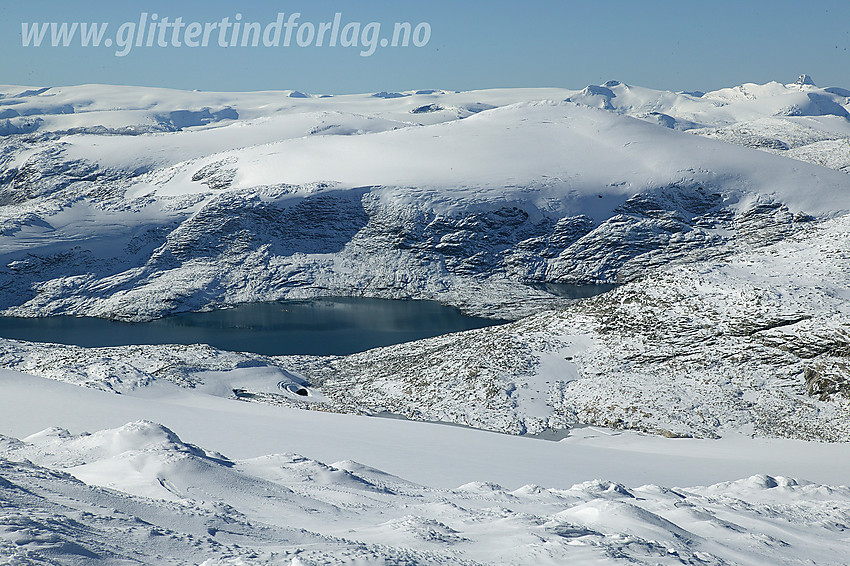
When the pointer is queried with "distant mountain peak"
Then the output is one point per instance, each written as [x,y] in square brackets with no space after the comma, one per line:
[805,80]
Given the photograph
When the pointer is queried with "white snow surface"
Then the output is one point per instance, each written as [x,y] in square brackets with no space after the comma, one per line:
[233,489]
[697,414]
[529,140]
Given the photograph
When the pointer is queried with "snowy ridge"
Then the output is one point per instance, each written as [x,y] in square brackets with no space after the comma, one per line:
[287,509]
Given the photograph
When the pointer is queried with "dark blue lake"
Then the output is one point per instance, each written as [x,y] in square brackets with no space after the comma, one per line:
[326,326]
[573,291]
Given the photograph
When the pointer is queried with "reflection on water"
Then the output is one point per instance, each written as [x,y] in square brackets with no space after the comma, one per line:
[327,326]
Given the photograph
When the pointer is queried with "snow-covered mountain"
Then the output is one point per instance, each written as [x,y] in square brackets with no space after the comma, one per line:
[754,341]
[722,218]
[133,203]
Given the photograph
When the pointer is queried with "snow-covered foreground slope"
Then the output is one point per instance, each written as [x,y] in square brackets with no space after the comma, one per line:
[286,509]
[152,497]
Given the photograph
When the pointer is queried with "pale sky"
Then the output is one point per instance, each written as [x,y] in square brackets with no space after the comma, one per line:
[664,44]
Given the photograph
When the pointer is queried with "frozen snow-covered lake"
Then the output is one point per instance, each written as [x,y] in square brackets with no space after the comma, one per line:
[326,326]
